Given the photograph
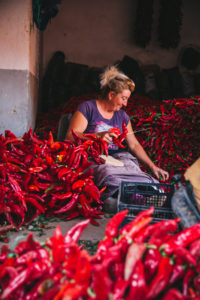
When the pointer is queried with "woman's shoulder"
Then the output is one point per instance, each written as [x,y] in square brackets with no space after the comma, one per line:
[122,115]
[87,108]
[88,103]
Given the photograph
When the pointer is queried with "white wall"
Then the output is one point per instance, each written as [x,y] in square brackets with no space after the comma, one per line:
[14,24]
[101,32]
[19,55]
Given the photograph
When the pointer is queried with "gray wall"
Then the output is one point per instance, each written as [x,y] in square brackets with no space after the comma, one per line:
[19,53]
[18,101]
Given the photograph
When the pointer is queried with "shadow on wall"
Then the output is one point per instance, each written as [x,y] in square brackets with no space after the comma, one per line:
[65,79]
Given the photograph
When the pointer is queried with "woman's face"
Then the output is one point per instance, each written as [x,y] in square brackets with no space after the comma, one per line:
[119,100]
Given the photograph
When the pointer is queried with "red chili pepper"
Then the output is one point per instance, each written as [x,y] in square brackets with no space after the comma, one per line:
[122,244]
[85,207]
[51,139]
[102,189]
[28,244]
[18,151]
[160,281]
[184,255]
[17,282]
[71,158]
[143,214]
[111,229]
[103,146]
[41,185]
[63,196]
[177,273]
[133,256]
[72,215]
[39,289]
[101,276]
[61,156]
[124,128]
[77,138]
[160,232]
[138,287]
[12,140]
[196,282]
[118,143]
[117,271]
[173,294]
[137,227]
[115,130]
[49,159]
[195,249]
[74,233]
[34,138]
[186,281]
[35,203]
[145,233]
[77,159]
[69,206]
[33,187]
[90,136]
[17,189]
[45,176]
[151,261]
[122,137]
[119,289]
[182,239]
[78,184]
[55,146]
[31,256]
[92,191]
[103,247]
[36,169]
[94,155]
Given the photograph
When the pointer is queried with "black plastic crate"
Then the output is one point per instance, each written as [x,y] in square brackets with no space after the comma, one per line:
[137,196]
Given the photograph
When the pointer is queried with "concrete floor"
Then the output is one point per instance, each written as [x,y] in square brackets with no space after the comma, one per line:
[91,232]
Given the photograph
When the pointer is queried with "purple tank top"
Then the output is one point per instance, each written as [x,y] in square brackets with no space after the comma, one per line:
[97,123]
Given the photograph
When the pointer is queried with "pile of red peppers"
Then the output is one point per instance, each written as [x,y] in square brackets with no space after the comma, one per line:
[43,176]
[54,178]
[168,129]
[140,260]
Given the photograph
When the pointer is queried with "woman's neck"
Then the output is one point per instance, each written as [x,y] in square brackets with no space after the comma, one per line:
[105,108]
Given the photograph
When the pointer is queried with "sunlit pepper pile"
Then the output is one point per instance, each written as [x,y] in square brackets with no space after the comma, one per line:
[170,133]
[140,260]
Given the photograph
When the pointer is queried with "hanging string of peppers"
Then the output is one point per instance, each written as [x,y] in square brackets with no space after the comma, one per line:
[170,21]
[137,261]
[143,23]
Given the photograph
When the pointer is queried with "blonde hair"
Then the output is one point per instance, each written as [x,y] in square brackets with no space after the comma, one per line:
[114,80]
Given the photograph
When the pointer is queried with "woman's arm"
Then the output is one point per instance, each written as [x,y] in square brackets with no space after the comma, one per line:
[137,149]
[79,124]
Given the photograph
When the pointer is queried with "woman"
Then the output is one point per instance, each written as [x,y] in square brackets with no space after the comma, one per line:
[99,116]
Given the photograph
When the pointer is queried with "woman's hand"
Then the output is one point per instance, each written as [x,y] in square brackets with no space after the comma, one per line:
[160,172]
[107,136]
